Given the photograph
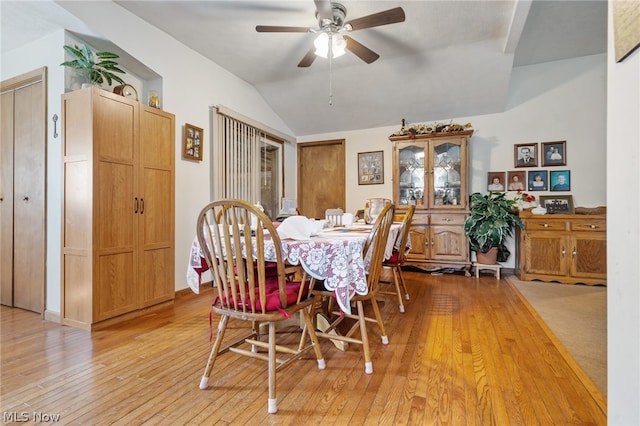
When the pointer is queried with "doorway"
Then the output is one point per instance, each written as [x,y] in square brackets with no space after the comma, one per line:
[23,191]
[321,177]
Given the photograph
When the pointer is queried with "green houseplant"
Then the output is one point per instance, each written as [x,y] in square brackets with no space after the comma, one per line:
[96,72]
[491,220]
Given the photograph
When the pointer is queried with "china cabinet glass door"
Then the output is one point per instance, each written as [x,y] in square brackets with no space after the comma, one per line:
[445,183]
[411,174]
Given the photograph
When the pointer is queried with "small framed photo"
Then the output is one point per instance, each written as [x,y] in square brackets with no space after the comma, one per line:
[537,180]
[560,180]
[562,204]
[495,181]
[554,153]
[370,168]
[192,143]
[525,155]
[517,180]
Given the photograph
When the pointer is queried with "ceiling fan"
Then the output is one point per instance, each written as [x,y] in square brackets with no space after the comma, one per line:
[332,27]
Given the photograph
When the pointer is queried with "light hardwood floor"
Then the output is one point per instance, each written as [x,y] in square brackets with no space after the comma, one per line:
[466,352]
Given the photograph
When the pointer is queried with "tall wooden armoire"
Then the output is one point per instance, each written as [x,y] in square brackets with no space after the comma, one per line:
[118,208]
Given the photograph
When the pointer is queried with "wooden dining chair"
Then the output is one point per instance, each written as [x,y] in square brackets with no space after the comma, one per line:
[397,259]
[373,247]
[334,217]
[233,236]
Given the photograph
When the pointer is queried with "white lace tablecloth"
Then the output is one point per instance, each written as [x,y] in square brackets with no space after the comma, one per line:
[334,256]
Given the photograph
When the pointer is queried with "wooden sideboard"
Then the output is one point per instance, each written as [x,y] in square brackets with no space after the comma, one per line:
[567,248]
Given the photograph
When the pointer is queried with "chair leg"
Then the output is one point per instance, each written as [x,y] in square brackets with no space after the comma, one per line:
[368,365]
[376,311]
[403,284]
[396,281]
[272,405]
[309,328]
[222,326]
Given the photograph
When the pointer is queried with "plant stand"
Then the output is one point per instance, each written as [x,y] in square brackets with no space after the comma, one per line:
[494,268]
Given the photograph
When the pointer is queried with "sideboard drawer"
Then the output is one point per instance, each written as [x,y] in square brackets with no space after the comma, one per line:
[545,225]
[590,225]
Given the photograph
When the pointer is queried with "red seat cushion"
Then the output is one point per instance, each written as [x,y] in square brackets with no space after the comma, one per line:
[272,302]
[394,258]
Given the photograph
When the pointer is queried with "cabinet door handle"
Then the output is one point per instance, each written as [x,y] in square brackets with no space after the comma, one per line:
[573,253]
[136,206]
[563,252]
[593,226]
[432,242]
[546,225]
[141,205]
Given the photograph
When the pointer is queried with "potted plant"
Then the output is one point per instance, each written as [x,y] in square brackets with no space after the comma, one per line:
[491,220]
[98,72]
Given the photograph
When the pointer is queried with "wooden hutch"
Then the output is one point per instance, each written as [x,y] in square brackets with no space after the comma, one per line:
[431,171]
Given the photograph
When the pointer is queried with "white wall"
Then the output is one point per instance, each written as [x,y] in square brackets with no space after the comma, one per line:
[623,236]
[562,100]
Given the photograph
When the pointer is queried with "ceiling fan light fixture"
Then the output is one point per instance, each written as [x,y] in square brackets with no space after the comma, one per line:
[334,43]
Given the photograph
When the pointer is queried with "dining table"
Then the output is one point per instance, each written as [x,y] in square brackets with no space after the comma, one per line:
[333,255]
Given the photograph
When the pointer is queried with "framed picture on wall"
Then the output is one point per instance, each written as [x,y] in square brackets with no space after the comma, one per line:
[495,181]
[525,155]
[192,142]
[537,180]
[517,180]
[560,180]
[554,153]
[370,168]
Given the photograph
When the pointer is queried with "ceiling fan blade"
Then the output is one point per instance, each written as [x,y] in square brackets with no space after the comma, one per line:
[324,9]
[386,17]
[278,29]
[361,51]
[308,58]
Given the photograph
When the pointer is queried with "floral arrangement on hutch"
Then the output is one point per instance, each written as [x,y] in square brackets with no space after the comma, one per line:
[426,129]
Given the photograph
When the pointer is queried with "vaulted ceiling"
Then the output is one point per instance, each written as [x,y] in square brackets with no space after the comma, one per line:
[447,59]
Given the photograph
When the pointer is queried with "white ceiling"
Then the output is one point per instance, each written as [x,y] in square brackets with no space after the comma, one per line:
[448,59]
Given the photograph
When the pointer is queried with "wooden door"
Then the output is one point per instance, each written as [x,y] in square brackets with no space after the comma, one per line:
[545,254]
[589,255]
[156,240]
[23,217]
[321,177]
[115,225]
[6,200]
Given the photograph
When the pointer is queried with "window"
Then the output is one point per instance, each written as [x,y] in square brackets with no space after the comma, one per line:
[247,162]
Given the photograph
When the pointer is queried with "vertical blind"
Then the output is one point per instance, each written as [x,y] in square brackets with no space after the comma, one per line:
[236,159]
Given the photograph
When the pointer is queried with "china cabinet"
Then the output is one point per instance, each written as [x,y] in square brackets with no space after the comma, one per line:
[118,207]
[567,248]
[430,171]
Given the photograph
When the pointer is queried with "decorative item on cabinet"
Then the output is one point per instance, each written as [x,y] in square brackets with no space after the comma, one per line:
[566,248]
[118,208]
[430,168]
[154,99]
[95,73]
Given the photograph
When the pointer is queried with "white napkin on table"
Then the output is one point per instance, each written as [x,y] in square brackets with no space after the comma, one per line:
[299,228]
